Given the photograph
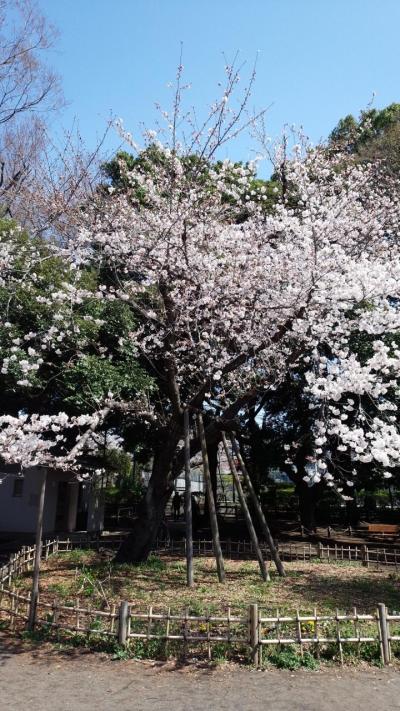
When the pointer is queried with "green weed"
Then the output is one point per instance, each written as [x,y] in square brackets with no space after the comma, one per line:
[290,659]
[60,589]
[78,555]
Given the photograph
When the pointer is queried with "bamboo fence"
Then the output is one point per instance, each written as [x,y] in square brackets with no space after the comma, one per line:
[251,628]
[331,553]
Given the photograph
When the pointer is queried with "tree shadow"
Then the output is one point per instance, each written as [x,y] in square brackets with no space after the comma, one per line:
[344,593]
[40,650]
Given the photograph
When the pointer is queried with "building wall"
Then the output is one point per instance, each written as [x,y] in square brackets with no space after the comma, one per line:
[196,476]
[19,514]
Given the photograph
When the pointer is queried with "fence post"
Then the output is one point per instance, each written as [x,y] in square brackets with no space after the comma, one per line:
[383,630]
[319,550]
[38,553]
[56,612]
[254,635]
[123,623]
[364,556]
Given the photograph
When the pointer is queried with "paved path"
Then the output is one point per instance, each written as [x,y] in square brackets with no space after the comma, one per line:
[49,681]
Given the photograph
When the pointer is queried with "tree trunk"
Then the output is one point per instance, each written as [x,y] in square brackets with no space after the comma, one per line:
[140,541]
[352,510]
[308,499]
[212,451]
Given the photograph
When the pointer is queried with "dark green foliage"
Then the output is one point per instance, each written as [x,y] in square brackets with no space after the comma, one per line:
[197,170]
[81,374]
[374,136]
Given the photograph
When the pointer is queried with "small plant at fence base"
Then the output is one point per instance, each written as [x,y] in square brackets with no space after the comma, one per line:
[291,659]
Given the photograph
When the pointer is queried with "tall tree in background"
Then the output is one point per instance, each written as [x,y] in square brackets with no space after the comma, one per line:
[373,137]
[29,89]
[41,180]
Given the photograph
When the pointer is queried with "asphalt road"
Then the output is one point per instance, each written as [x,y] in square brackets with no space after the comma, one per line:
[44,680]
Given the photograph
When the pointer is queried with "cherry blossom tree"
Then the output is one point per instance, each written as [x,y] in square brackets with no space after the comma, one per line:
[225,306]
[228,296]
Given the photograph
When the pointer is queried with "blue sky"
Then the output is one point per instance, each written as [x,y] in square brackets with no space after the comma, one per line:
[318,59]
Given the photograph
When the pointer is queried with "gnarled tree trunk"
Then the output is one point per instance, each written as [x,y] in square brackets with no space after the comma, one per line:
[140,541]
[308,499]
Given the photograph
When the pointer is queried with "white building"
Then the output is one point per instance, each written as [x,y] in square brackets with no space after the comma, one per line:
[197,482]
[69,505]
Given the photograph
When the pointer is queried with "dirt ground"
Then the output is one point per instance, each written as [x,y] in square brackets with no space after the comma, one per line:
[47,680]
[162,582]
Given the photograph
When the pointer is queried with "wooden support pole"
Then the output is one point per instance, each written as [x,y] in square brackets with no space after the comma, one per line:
[211,503]
[259,511]
[38,553]
[246,512]
[188,503]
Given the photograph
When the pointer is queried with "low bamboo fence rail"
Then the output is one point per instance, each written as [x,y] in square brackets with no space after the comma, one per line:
[376,557]
[249,628]
[331,553]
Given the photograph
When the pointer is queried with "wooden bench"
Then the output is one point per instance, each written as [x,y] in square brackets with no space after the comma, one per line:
[387,529]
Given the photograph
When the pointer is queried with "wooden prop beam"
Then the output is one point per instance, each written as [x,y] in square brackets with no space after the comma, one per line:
[246,512]
[258,509]
[211,503]
[188,503]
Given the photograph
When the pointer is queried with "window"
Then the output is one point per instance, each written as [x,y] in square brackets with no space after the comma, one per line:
[18,488]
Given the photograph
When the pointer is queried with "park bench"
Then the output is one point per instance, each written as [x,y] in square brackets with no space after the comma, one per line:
[385,529]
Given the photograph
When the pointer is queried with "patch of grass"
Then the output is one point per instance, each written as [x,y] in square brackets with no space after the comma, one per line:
[152,563]
[60,589]
[147,649]
[221,652]
[77,555]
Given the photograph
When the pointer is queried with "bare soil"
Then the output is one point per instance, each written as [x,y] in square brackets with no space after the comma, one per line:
[161,581]
[45,679]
